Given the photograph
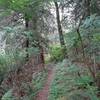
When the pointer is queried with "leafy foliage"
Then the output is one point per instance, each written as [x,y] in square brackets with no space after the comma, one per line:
[24,26]
[8,95]
[57,53]
[69,85]
[8,62]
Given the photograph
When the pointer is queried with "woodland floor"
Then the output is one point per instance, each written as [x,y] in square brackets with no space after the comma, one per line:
[44,93]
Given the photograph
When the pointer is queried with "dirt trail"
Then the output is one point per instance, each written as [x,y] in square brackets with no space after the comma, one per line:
[44,93]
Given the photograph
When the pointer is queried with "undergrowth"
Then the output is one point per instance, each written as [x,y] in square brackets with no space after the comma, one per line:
[72,82]
[39,81]
[32,90]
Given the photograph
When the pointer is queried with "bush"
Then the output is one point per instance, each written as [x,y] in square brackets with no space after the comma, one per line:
[57,53]
[68,85]
[3,66]
[9,62]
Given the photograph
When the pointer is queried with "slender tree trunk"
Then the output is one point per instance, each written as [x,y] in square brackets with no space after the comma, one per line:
[87,7]
[60,32]
[85,14]
[79,35]
[42,56]
[38,40]
[61,37]
[27,39]
[82,46]
[76,50]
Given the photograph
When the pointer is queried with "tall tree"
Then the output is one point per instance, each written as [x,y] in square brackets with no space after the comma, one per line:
[27,39]
[59,25]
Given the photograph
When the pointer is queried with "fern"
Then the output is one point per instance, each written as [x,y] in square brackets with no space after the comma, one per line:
[8,96]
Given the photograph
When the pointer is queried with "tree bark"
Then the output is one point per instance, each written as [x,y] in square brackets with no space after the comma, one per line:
[61,37]
[27,39]
[82,45]
[87,7]
[60,32]
[34,20]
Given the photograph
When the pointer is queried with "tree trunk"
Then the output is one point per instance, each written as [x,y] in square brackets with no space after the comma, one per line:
[82,46]
[87,7]
[60,32]
[42,56]
[27,39]
[34,20]
[61,37]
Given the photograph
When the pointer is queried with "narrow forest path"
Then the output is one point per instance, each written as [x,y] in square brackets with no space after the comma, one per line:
[44,93]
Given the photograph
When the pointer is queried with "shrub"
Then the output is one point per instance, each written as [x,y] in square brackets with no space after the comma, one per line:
[3,66]
[68,85]
[10,61]
[57,53]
